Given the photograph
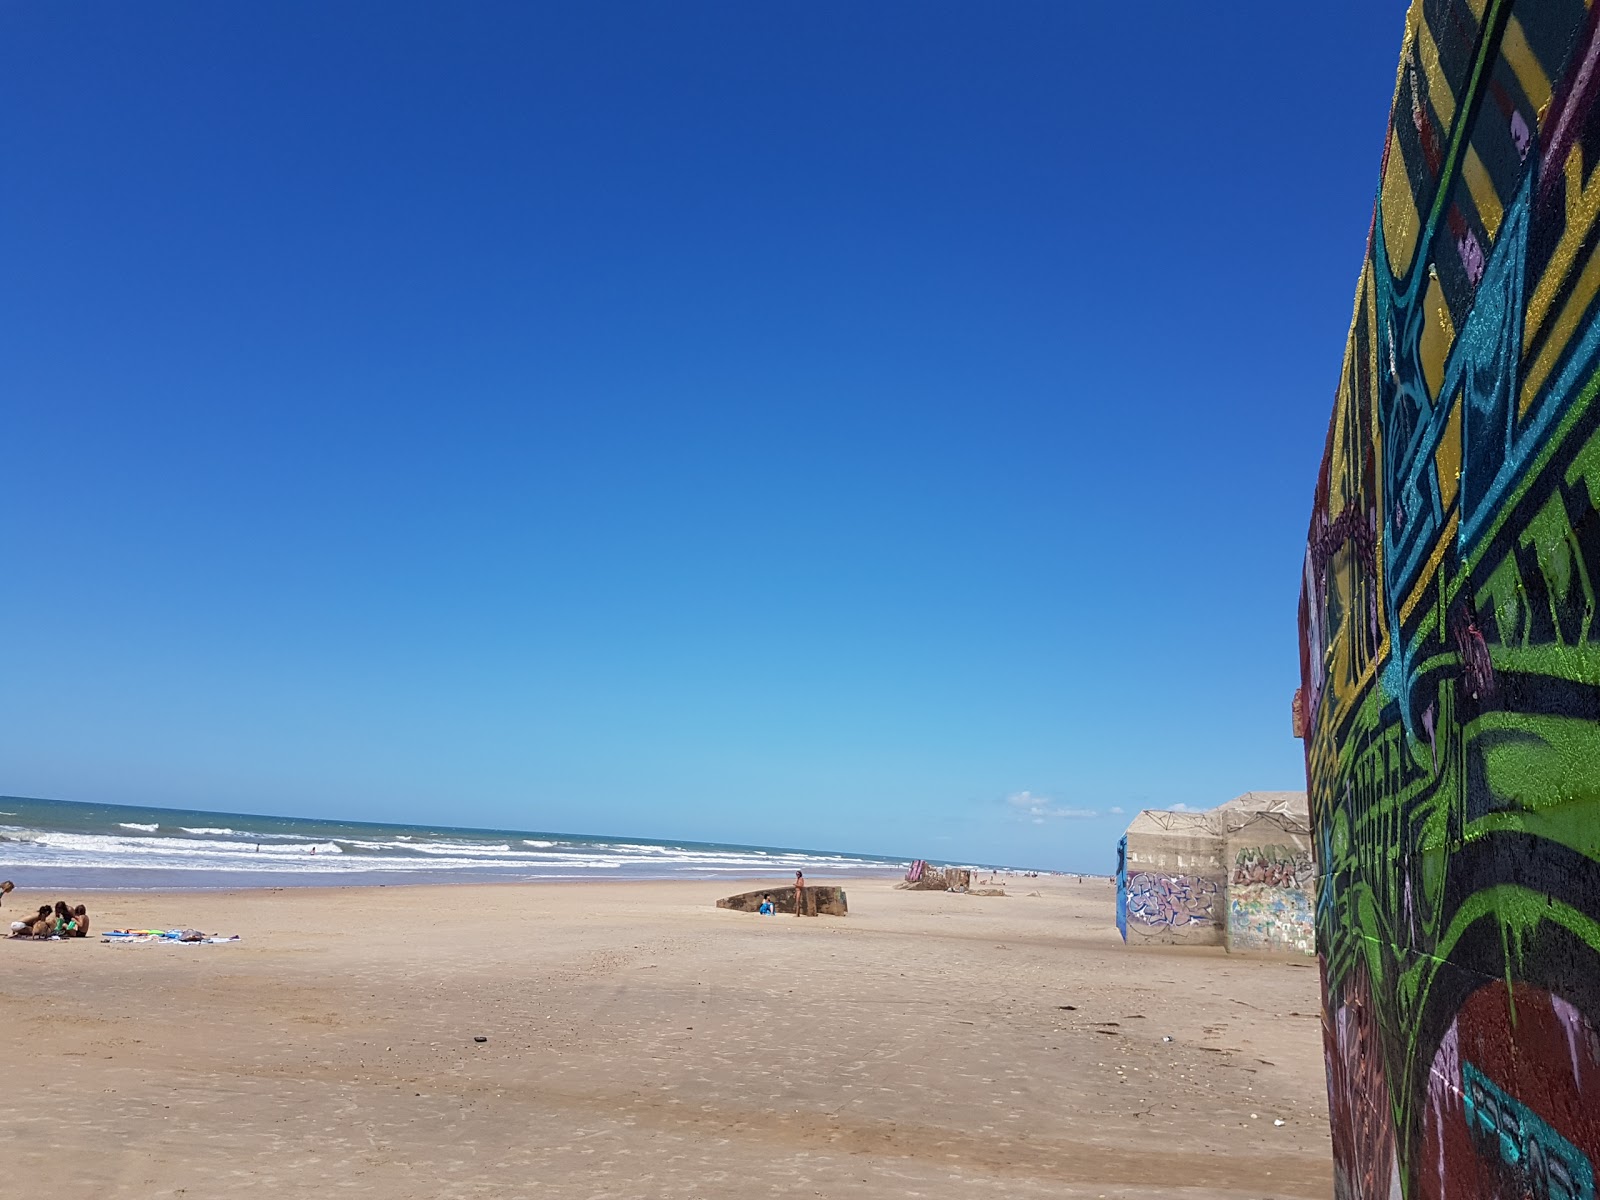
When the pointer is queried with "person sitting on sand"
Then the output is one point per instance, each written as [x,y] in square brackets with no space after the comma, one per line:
[62,922]
[766,909]
[25,927]
[6,887]
[81,915]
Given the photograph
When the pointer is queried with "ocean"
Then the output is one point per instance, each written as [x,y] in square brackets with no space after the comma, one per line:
[59,843]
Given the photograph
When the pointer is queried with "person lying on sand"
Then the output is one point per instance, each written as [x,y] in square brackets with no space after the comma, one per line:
[42,924]
[27,926]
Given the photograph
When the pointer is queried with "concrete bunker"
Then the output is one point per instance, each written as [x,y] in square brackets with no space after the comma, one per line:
[1240,875]
[819,900]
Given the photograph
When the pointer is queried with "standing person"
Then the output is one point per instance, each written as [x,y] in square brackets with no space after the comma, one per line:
[799,893]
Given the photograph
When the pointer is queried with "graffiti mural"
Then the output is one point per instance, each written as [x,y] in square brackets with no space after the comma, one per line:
[1170,901]
[1271,866]
[1358,1097]
[1493,1126]
[1273,919]
[1449,657]
[1269,908]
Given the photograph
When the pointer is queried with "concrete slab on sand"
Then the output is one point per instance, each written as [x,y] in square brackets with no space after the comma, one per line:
[820,900]
[643,1043]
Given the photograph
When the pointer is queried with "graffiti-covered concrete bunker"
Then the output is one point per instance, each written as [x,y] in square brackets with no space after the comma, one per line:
[1450,653]
[1239,875]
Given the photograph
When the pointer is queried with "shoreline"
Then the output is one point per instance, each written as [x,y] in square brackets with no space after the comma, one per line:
[115,847]
[249,890]
[409,880]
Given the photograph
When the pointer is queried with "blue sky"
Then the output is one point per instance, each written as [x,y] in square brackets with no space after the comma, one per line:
[882,427]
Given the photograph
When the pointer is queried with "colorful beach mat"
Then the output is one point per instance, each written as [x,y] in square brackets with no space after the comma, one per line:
[182,937]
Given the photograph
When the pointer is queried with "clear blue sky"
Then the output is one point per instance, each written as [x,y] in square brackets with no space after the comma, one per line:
[880,427]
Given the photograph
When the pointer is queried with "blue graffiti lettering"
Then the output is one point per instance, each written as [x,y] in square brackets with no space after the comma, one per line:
[1547,1165]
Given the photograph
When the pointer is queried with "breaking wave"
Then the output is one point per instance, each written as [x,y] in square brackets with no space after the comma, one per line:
[233,852]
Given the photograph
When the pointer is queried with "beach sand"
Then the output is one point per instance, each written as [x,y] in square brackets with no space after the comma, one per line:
[643,1043]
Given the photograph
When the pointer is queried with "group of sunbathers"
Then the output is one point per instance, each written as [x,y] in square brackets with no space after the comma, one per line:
[58,921]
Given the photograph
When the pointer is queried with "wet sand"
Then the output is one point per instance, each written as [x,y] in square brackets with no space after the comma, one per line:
[642,1043]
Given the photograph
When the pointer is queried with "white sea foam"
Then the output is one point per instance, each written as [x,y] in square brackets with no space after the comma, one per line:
[228,851]
[471,849]
[462,848]
[112,845]
[193,854]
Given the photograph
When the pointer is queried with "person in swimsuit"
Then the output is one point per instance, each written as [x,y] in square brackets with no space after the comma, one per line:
[62,922]
[28,925]
[799,893]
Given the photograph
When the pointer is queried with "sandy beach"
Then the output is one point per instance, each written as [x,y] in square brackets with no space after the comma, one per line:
[643,1043]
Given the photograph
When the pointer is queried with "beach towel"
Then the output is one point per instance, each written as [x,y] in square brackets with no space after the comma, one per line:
[187,937]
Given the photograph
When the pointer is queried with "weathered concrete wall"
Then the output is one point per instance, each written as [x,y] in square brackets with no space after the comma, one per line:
[1271,886]
[938,879]
[1450,654]
[820,899]
[1175,883]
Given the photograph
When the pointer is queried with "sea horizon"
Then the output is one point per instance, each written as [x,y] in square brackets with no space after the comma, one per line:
[70,843]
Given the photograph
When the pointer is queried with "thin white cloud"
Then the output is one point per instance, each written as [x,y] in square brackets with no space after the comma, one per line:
[1115,810]
[1039,809]
[1180,806]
